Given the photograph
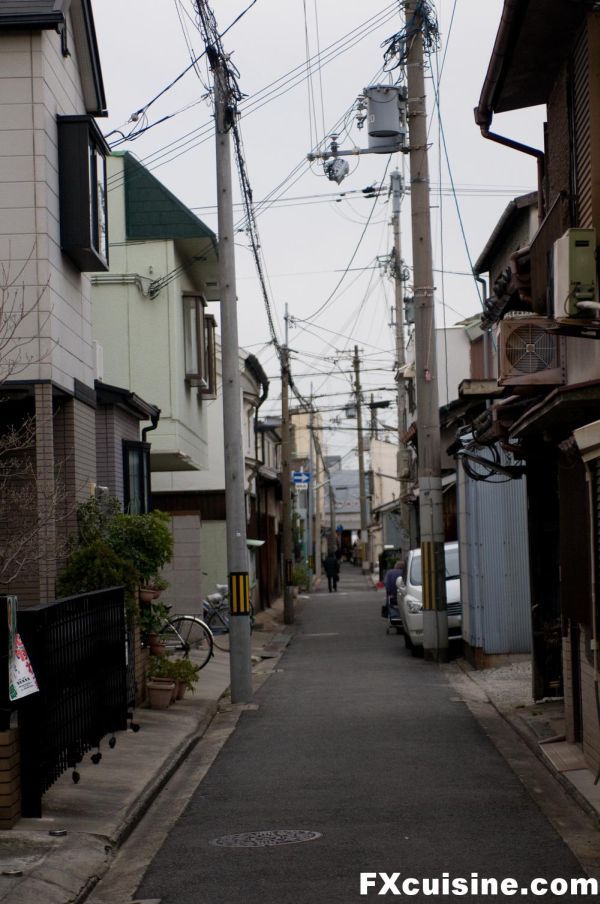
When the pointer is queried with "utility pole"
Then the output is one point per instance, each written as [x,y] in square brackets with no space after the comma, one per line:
[403,453]
[235,492]
[286,490]
[364,527]
[435,615]
[373,418]
[315,489]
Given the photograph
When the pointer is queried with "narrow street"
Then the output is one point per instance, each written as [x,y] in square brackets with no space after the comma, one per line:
[354,739]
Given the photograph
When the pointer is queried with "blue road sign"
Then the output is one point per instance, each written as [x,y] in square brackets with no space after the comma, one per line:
[301,478]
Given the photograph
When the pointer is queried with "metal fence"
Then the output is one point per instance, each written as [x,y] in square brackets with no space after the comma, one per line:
[77,647]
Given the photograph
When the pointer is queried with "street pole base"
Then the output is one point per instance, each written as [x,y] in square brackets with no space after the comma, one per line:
[435,635]
[442,655]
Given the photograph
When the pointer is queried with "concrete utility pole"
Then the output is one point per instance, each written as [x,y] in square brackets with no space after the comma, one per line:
[286,490]
[315,484]
[435,615]
[403,453]
[240,660]
[364,526]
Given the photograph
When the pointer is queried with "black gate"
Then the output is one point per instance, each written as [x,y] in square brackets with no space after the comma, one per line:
[77,647]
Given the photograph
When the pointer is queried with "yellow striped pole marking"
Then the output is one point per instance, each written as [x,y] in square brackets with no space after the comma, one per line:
[427,564]
[239,593]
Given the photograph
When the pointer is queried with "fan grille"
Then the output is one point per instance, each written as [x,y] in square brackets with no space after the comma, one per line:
[530,349]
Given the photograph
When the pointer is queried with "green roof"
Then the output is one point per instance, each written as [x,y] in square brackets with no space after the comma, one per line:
[153,212]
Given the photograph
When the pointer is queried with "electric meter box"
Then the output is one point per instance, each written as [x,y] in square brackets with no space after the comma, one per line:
[386,119]
[574,272]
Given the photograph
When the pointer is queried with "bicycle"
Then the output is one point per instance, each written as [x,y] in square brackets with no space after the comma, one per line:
[215,609]
[186,633]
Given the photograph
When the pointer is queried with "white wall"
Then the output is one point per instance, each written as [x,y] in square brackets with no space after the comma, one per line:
[453,361]
[142,337]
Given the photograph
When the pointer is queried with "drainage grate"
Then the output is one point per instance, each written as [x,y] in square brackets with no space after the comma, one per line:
[266,839]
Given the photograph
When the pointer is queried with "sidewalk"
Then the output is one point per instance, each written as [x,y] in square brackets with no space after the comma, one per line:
[540,725]
[60,857]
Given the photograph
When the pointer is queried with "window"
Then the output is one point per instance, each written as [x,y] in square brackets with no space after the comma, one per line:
[136,477]
[82,187]
[199,345]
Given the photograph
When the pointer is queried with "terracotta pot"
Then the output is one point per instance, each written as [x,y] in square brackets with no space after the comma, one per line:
[155,645]
[146,595]
[160,692]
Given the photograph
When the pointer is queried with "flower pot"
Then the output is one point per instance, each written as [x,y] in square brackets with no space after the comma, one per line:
[146,595]
[155,644]
[180,690]
[160,692]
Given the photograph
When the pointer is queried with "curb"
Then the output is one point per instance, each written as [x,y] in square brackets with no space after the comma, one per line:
[588,808]
[155,786]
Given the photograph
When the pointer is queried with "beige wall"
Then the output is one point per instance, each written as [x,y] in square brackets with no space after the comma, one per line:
[184,572]
[36,84]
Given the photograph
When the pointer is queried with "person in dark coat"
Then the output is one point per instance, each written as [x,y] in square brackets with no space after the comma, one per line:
[391,576]
[332,570]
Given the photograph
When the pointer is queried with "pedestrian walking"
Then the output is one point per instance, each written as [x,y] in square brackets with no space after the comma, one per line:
[332,570]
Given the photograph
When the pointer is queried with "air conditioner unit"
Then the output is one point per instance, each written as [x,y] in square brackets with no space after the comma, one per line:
[529,352]
[574,274]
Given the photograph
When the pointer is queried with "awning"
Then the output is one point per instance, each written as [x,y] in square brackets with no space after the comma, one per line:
[561,412]
[533,39]
[448,480]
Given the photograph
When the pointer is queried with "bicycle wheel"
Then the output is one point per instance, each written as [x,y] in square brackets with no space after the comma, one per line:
[218,622]
[186,634]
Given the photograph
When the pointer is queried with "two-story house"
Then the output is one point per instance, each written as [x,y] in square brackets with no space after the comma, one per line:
[548,53]
[157,336]
[53,221]
[153,319]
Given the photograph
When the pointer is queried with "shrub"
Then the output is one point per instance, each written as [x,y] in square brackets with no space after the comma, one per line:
[301,576]
[144,540]
[95,567]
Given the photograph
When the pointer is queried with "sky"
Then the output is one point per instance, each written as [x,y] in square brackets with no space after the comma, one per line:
[317,230]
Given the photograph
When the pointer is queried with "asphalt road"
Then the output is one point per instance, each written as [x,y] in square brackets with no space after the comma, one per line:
[358,741]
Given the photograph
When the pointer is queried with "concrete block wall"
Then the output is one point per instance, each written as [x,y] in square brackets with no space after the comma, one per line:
[184,572]
[10,779]
[567,659]
[590,713]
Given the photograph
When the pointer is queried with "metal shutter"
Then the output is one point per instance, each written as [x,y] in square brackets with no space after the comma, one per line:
[582,146]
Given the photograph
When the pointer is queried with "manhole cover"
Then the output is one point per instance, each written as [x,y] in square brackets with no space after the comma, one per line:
[266,839]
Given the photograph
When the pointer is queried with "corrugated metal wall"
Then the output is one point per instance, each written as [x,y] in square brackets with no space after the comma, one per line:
[494,560]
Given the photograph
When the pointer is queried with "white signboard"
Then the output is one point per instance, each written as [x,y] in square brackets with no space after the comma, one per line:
[21,680]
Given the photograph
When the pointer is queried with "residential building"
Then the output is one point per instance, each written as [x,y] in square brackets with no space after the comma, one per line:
[153,318]
[52,233]
[265,521]
[547,53]
[384,489]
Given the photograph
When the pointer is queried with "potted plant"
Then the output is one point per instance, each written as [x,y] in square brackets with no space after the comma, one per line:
[160,693]
[162,670]
[151,619]
[152,589]
[186,674]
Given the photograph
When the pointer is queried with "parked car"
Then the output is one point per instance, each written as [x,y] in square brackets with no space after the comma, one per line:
[410,598]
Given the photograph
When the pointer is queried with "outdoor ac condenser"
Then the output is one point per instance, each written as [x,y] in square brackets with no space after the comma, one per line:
[529,353]
[575,291]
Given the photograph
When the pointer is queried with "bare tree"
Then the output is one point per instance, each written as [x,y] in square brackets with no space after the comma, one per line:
[15,310]
[31,506]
